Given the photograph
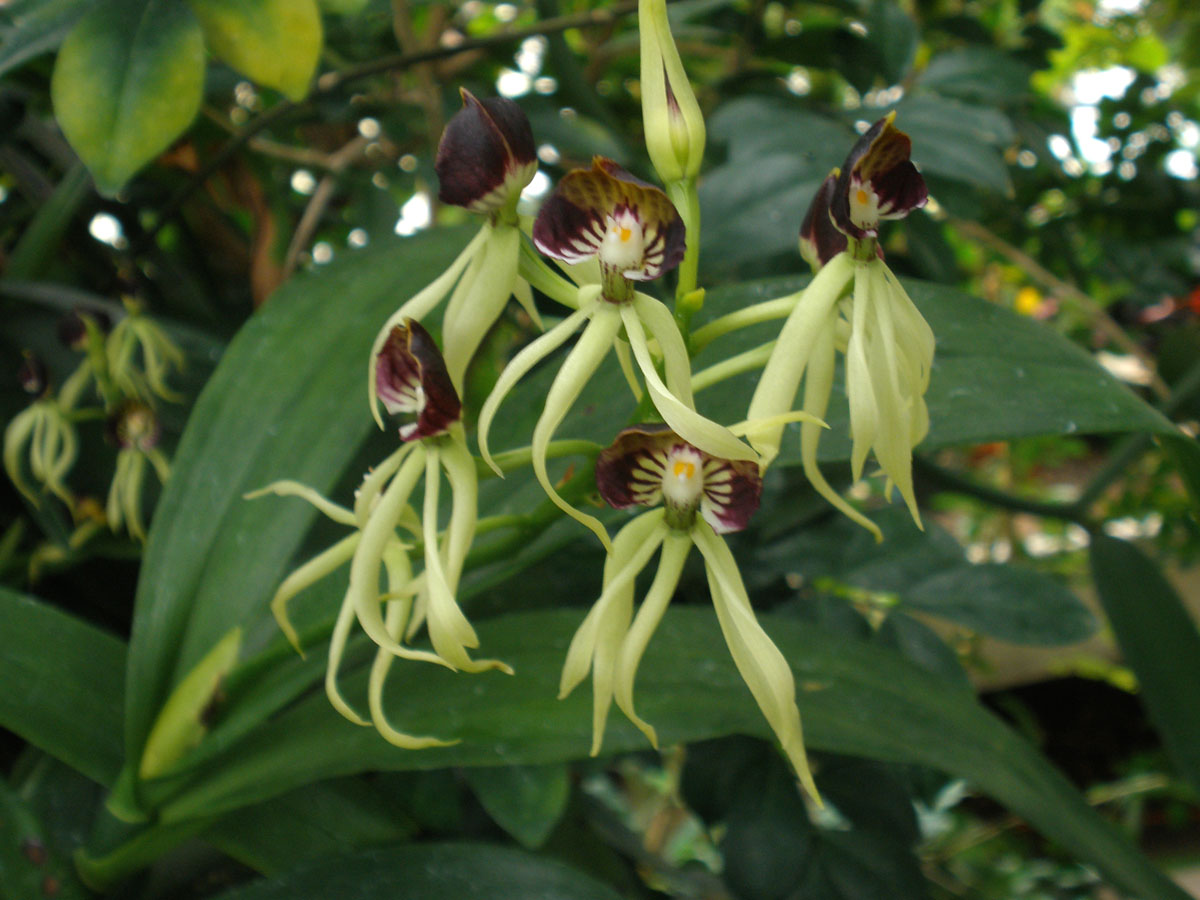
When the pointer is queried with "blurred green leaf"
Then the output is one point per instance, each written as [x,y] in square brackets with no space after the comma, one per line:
[63,683]
[1184,451]
[39,243]
[526,801]
[29,28]
[977,75]
[27,861]
[275,43]
[428,872]
[957,141]
[127,82]
[1159,641]
[895,36]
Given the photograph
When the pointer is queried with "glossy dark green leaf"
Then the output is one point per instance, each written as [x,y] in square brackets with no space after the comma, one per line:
[29,28]
[1159,641]
[324,819]
[977,75]
[428,872]
[957,141]
[63,685]
[276,408]
[857,700]
[895,35]
[990,375]
[127,82]
[526,801]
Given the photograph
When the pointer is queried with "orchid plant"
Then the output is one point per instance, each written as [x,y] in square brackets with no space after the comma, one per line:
[611,232]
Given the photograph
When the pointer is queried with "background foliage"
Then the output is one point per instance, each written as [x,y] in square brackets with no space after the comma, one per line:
[203,155]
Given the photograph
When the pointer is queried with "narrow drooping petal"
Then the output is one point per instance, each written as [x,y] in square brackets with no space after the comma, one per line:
[411,377]
[649,464]
[479,298]
[820,240]
[762,666]
[607,213]
[486,155]
[877,181]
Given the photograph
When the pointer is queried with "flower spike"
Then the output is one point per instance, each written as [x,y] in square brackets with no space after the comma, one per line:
[411,377]
[878,181]
[486,156]
[605,212]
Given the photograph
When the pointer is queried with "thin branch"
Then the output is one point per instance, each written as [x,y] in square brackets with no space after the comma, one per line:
[1055,285]
[332,82]
[320,200]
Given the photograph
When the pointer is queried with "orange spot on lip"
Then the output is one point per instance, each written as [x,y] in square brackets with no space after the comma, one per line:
[625,233]
[861,196]
[684,469]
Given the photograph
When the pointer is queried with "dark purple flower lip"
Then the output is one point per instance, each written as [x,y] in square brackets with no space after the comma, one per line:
[877,181]
[486,155]
[134,426]
[411,377]
[604,211]
[650,464]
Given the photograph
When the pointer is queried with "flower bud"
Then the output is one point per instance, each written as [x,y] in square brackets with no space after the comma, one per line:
[486,155]
[32,375]
[73,327]
[411,377]
[675,132]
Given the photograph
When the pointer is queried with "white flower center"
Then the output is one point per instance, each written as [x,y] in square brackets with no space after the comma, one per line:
[624,245]
[683,477]
[864,207]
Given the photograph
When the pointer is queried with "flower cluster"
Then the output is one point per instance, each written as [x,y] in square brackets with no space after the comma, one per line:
[609,233]
[121,377]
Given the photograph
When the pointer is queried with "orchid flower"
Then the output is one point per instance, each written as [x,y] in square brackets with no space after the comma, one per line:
[485,158]
[855,304]
[44,433]
[412,379]
[635,233]
[697,497]
[135,430]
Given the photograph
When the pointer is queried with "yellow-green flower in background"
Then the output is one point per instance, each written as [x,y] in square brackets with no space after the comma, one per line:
[855,304]
[135,430]
[635,233]
[484,160]
[41,436]
[697,497]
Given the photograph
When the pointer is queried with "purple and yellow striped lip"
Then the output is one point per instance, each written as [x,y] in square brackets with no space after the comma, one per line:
[608,213]
[486,156]
[411,378]
[650,464]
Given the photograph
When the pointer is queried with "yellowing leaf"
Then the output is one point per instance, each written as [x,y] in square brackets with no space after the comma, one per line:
[275,43]
[127,82]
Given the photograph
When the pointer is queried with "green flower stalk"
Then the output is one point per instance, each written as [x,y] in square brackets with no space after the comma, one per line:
[855,304]
[697,497]
[413,380]
[135,430]
[485,159]
[635,233]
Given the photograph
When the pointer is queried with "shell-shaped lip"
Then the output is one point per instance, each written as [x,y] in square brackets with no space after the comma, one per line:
[133,426]
[486,155]
[631,470]
[411,377]
[572,223]
[820,240]
[879,161]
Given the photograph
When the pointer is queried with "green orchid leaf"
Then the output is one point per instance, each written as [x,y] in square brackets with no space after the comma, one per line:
[901,713]
[1159,641]
[63,685]
[1184,452]
[277,407]
[127,82]
[988,382]
[428,872]
[526,801]
[275,43]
